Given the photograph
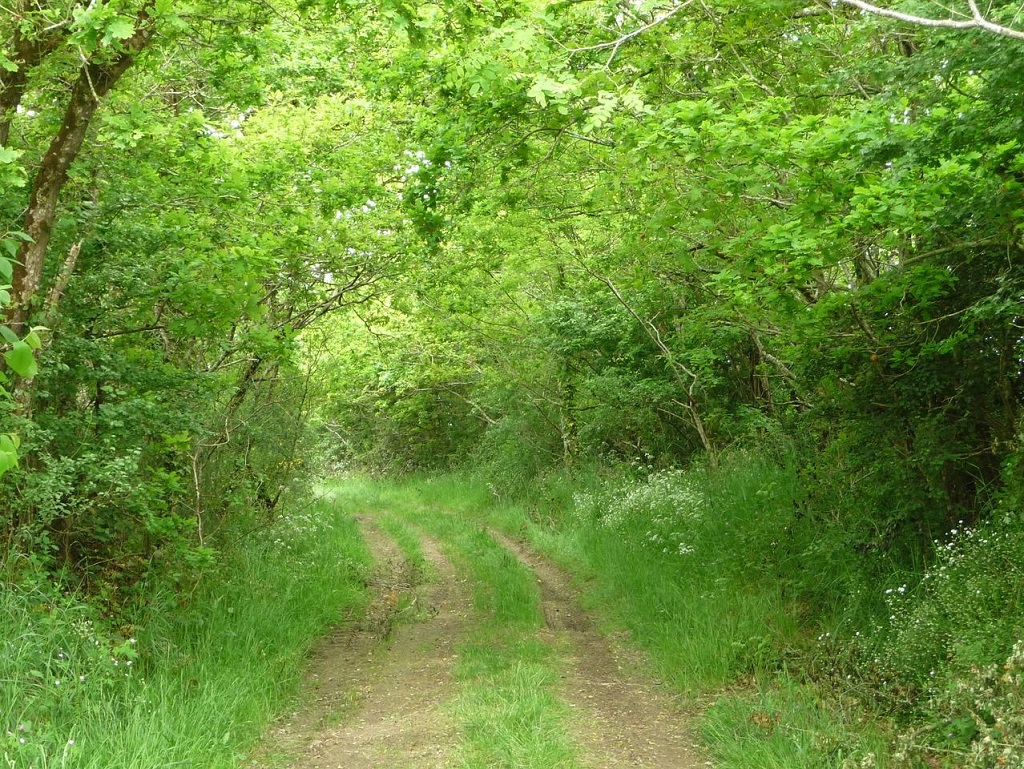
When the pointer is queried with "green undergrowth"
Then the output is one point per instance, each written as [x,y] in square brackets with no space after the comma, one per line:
[510,715]
[780,723]
[197,674]
[844,657]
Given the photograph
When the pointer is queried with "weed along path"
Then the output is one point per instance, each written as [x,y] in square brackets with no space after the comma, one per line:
[474,654]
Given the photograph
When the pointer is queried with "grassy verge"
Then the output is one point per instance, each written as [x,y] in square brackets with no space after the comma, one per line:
[198,678]
[510,714]
[779,723]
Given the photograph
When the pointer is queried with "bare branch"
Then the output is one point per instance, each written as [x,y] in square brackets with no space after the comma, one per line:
[778,203]
[675,366]
[616,44]
[124,331]
[590,139]
[976,20]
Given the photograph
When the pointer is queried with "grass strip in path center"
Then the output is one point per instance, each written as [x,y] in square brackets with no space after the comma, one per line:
[507,675]
[622,717]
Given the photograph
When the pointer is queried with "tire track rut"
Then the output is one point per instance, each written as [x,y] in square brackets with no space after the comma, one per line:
[621,718]
[379,688]
[388,677]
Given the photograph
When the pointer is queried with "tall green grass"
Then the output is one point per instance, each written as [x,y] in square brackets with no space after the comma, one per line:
[684,561]
[511,717]
[805,652]
[198,676]
[782,723]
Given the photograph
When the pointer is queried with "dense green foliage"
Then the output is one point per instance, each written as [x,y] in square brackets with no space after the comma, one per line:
[213,212]
[242,240]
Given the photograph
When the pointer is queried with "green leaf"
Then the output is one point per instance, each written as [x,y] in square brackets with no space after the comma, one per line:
[6,268]
[21,360]
[33,340]
[9,335]
[8,452]
[120,28]
[538,93]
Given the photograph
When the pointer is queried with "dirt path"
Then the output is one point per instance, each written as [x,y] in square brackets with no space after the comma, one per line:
[622,718]
[387,679]
[378,688]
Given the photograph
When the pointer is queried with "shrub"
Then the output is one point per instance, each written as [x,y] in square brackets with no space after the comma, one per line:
[952,656]
[967,610]
[980,714]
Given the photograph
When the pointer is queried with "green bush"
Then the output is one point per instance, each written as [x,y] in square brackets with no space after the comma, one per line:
[949,657]
[986,706]
[967,611]
[735,516]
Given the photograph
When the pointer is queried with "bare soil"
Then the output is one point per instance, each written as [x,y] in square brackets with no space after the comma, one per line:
[378,688]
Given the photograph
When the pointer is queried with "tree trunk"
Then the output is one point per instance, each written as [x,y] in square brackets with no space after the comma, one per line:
[95,80]
[28,53]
